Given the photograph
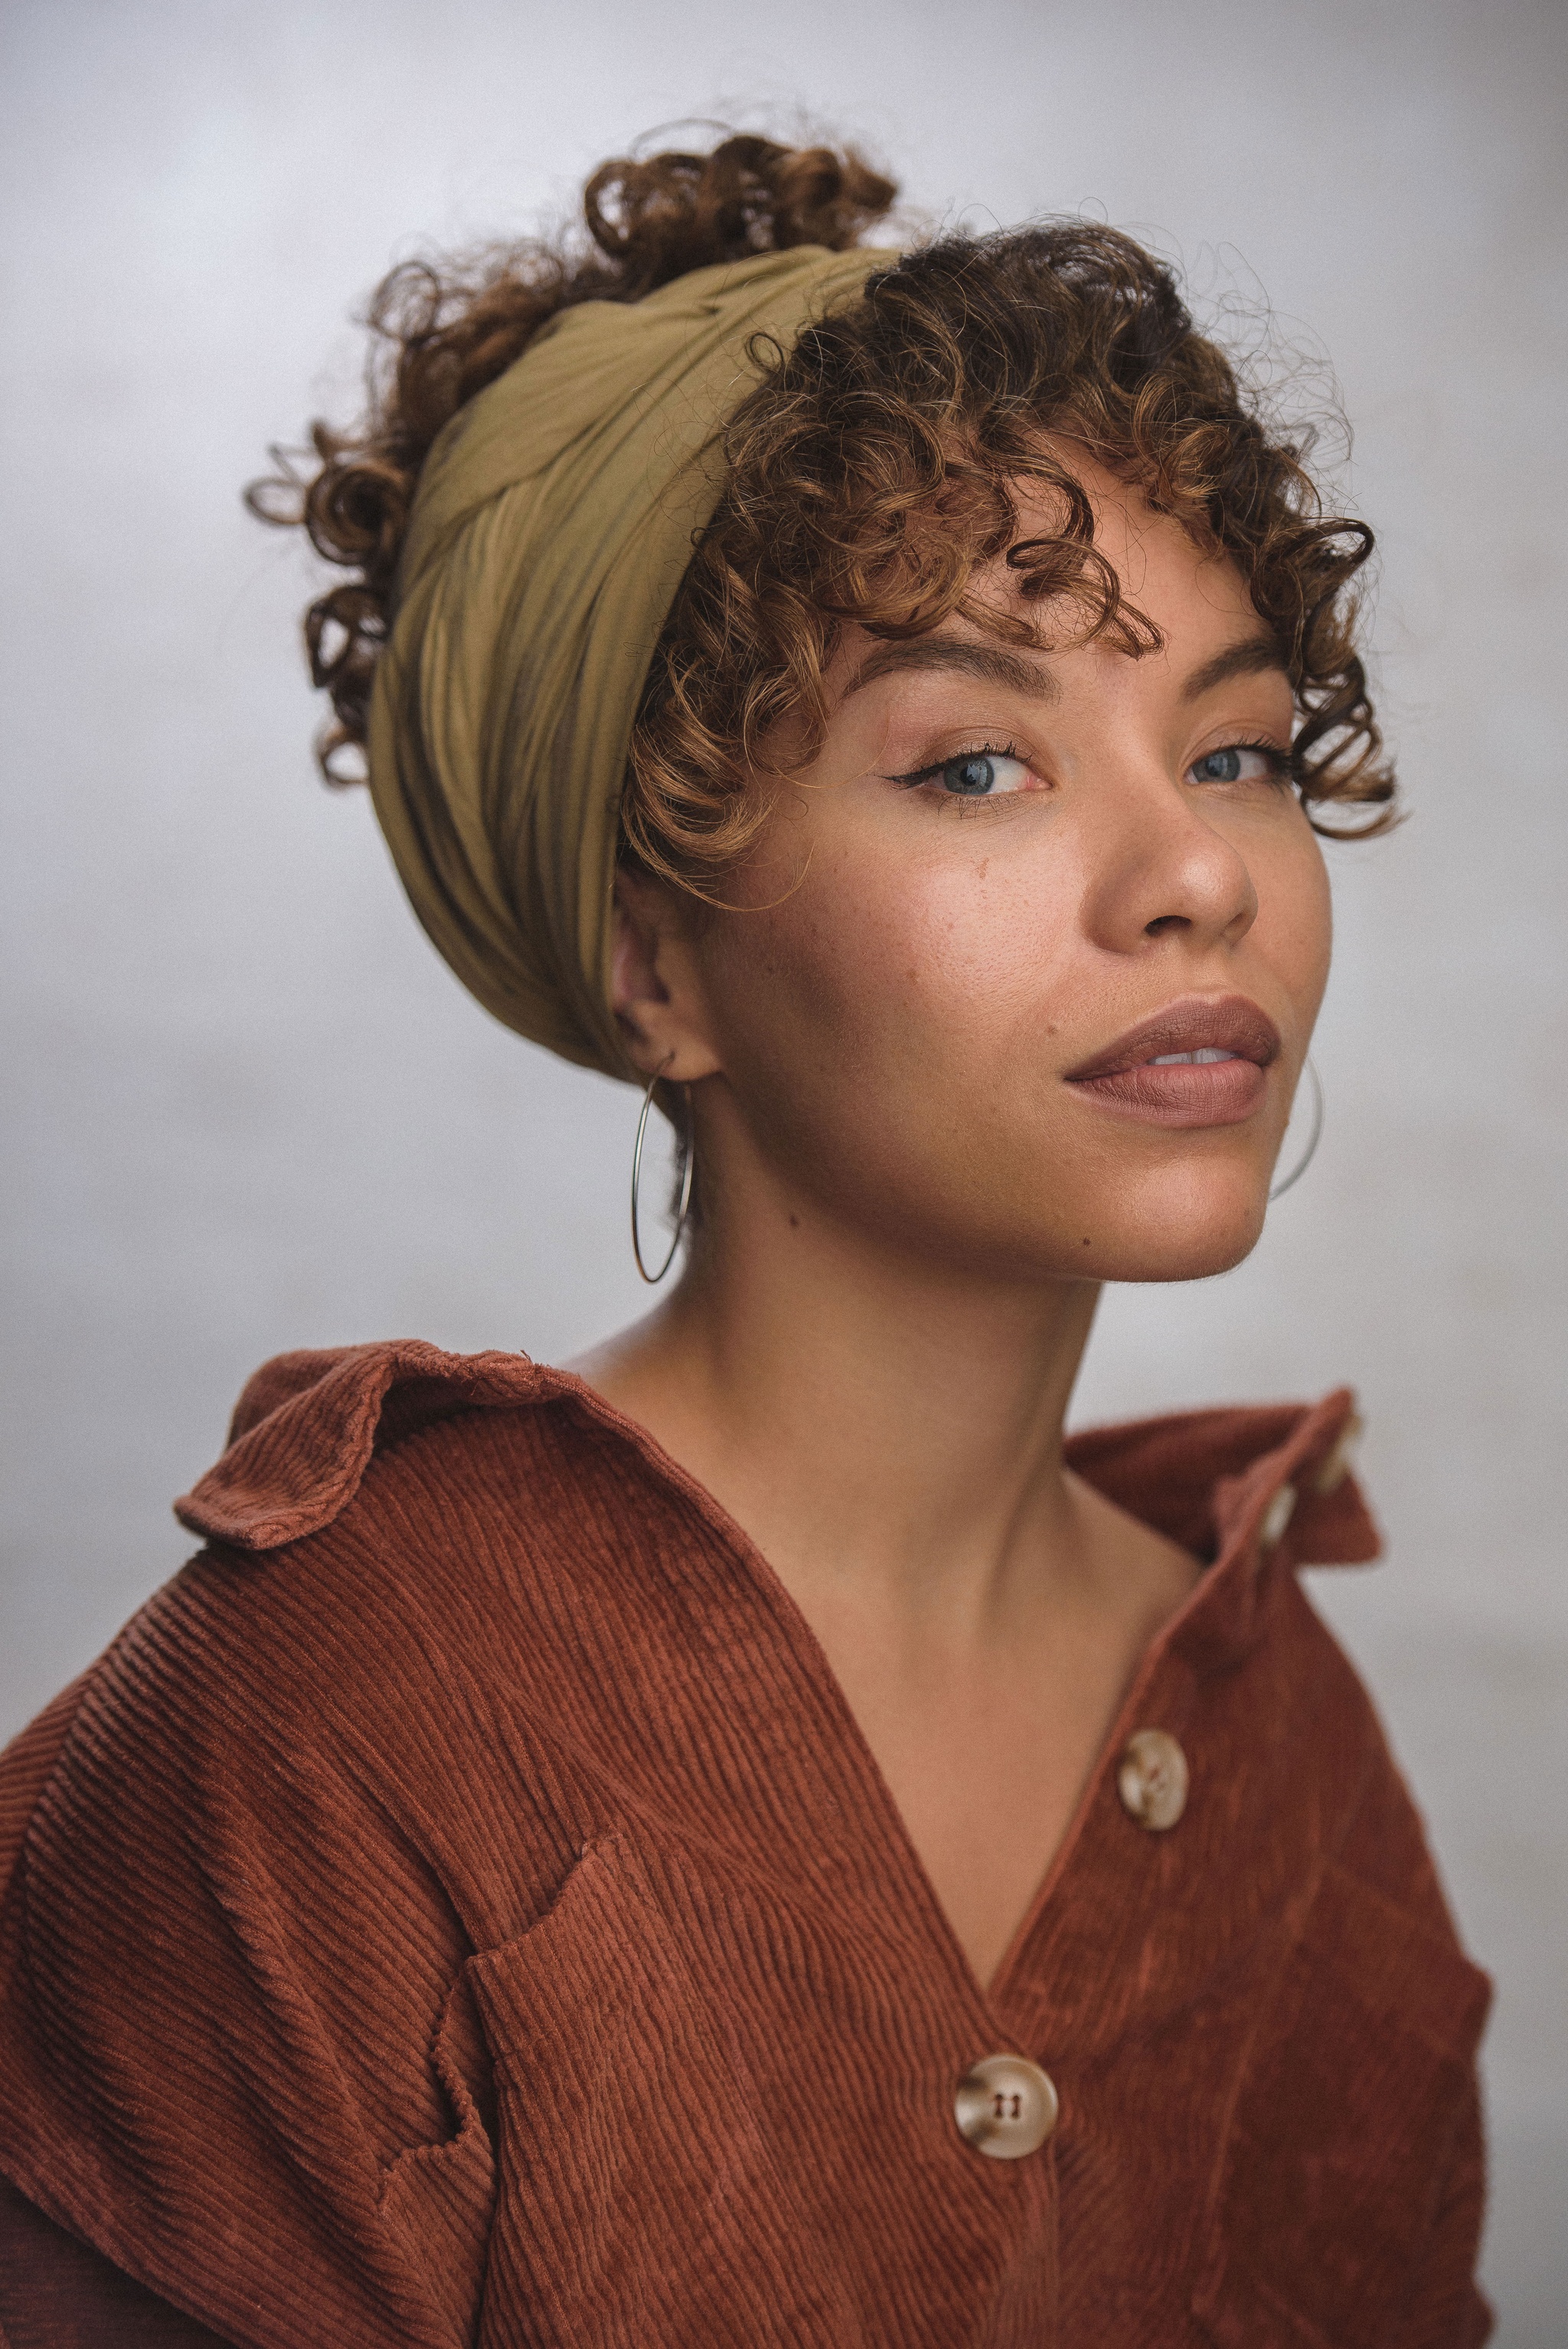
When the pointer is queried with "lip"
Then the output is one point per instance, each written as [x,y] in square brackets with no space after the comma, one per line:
[1214,1092]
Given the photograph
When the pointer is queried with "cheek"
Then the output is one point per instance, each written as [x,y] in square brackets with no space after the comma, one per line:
[1294,929]
[885,985]
[815,983]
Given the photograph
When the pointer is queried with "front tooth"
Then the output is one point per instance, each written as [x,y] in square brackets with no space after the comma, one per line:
[1174,1060]
[1212,1052]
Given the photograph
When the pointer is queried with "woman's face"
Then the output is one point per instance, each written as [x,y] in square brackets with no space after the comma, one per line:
[989,929]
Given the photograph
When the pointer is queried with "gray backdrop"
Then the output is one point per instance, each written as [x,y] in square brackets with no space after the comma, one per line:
[250,1110]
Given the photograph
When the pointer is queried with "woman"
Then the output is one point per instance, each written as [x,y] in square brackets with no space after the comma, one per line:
[755,1838]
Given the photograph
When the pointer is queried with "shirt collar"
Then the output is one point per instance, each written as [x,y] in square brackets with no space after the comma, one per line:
[1251,1491]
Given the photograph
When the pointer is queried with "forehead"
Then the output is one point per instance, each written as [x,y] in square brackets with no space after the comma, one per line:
[1183,611]
[1156,561]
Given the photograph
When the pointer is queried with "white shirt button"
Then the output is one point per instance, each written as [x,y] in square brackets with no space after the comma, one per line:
[1006,2106]
[1277,1515]
[1336,1467]
[1152,1780]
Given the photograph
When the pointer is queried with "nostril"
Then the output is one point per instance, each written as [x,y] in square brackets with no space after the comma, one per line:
[1163,922]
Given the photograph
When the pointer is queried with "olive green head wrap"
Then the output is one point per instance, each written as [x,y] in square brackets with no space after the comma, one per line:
[553,520]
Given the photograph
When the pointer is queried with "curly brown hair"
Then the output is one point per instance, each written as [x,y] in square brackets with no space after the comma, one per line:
[867,475]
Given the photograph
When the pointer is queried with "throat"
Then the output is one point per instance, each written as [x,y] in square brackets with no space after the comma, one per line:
[986,1743]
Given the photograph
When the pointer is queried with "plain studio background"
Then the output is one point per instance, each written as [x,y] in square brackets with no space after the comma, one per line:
[250,1109]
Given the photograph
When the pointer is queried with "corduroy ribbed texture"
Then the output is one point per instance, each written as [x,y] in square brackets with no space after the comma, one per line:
[461,1909]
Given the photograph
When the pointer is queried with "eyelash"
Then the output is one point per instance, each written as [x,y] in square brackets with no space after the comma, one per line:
[1282,762]
[973,750]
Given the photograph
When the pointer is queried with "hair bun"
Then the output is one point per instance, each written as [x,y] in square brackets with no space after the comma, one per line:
[658,219]
[443,330]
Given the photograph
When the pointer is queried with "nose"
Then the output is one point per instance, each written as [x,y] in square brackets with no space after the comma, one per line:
[1160,869]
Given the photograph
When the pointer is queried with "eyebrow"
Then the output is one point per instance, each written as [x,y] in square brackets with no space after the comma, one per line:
[1251,658]
[992,664]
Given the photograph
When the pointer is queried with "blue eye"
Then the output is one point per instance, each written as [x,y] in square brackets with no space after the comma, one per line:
[1239,762]
[980,774]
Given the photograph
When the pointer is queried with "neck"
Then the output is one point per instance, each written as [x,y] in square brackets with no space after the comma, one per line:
[870,1418]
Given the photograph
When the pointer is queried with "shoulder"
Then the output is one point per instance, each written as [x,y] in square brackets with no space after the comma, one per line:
[359,1622]
[310,1428]
[251,1851]
[1364,2026]
[1373,1835]
[387,1496]
[369,1503]
[1349,2190]
[313,1752]
[1290,1729]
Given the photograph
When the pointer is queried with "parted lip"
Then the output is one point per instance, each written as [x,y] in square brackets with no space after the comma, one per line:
[1224,1023]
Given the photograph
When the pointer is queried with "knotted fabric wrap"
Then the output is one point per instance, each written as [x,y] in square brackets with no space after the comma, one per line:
[554,522]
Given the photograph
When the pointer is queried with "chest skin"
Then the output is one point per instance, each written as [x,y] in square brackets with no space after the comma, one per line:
[986,1736]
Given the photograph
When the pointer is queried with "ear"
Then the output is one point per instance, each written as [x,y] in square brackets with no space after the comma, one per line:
[657,981]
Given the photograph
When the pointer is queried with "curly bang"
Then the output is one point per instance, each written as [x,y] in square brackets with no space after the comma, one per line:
[868,475]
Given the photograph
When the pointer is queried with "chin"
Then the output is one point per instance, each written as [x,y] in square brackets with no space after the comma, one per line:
[1196,1255]
[1210,1227]
[1097,1240]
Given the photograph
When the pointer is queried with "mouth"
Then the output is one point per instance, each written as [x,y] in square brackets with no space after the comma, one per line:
[1203,1061]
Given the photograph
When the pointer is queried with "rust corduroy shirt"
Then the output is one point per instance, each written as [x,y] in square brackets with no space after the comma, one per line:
[462,1909]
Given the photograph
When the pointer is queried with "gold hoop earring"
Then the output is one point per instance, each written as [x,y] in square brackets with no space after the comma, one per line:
[688,1160]
[1313,1138]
